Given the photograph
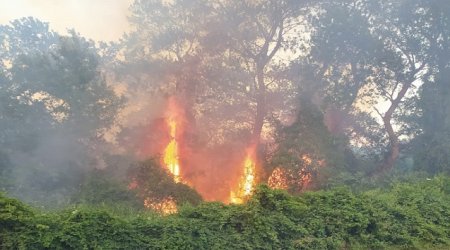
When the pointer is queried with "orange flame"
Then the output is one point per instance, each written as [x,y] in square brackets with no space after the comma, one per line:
[166,206]
[171,158]
[305,180]
[247,182]
[277,179]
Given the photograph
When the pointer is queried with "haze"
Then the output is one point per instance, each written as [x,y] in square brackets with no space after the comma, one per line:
[104,20]
[254,124]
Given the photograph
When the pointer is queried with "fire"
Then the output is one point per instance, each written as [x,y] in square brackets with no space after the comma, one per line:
[171,158]
[282,178]
[249,176]
[305,180]
[166,206]
[277,179]
[306,174]
[207,169]
[307,159]
[247,182]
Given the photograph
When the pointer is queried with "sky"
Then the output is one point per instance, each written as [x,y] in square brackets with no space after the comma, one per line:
[100,20]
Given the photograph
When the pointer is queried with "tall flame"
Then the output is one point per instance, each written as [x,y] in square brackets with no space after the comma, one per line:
[247,181]
[171,158]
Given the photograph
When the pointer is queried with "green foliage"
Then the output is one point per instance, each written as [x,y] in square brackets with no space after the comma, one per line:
[101,189]
[413,215]
[13,213]
[430,148]
[154,181]
[5,171]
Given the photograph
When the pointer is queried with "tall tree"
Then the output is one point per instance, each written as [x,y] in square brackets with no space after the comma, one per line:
[163,57]
[381,60]
[56,104]
[219,55]
[22,37]
[256,31]
[432,21]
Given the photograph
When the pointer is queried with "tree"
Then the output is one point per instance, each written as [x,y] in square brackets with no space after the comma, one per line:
[255,32]
[430,147]
[373,54]
[307,152]
[217,49]
[56,103]
[69,73]
[23,37]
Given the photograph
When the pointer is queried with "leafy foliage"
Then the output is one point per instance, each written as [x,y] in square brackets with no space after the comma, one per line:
[406,215]
[102,189]
[151,180]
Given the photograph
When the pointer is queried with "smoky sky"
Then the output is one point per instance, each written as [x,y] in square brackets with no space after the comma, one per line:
[100,20]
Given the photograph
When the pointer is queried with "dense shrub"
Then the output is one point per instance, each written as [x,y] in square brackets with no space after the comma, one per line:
[406,215]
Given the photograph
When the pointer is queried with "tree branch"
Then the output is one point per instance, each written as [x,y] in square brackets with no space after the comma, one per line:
[279,41]
[378,112]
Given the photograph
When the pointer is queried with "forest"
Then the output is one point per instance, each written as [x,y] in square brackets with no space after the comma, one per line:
[218,124]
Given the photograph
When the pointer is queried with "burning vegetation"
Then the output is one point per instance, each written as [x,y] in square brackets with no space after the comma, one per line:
[165,206]
[219,111]
[239,190]
[247,180]
[192,117]
[171,158]
[278,179]
[240,181]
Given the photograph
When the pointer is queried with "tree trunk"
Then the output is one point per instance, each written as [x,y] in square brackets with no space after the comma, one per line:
[260,106]
[394,151]
[261,60]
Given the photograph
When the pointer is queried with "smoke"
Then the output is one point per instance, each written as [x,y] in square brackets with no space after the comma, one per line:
[337,121]
[217,101]
[50,174]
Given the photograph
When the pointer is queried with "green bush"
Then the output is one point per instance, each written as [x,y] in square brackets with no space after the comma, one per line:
[411,215]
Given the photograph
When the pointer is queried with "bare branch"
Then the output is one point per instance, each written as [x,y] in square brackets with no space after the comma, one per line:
[394,90]
[387,94]
[378,112]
